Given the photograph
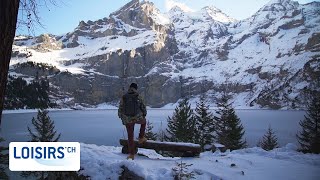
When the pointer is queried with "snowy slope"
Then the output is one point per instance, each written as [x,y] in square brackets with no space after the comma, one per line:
[87,48]
[261,53]
[195,31]
[264,61]
[104,162]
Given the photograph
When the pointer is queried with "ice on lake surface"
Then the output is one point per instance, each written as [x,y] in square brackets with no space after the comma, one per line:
[103,127]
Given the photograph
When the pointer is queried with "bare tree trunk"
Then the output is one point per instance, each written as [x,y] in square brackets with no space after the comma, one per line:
[8,22]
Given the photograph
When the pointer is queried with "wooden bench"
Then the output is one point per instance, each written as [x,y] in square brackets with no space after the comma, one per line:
[186,149]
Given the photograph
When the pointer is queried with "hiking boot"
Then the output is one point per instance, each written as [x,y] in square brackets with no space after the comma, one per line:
[142,140]
[131,156]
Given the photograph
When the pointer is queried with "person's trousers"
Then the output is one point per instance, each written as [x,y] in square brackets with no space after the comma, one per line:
[130,132]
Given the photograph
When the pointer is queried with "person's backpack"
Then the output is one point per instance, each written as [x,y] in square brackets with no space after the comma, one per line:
[131,104]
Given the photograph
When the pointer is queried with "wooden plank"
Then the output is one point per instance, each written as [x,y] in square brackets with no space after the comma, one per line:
[166,146]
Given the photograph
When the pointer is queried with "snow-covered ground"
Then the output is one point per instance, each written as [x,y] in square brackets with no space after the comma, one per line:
[104,162]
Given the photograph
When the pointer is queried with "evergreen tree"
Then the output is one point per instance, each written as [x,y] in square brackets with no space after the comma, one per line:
[228,126]
[204,124]
[3,161]
[23,95]
[44,132]
[181,125]
[44,127]
[269,140]
[309,137]
[14,93]
[149,134]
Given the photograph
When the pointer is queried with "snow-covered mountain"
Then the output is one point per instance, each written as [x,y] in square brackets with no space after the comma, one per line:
[267,60]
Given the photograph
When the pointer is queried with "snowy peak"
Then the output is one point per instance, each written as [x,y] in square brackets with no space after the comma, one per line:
[276,12]
[280,5]
[178,7]
[131,19]
[275,9]
[134,18]
[140,14]
[130,5]
[217,15]
[154,13]
[179,11]
[175,10]
[283,2]
[207,13]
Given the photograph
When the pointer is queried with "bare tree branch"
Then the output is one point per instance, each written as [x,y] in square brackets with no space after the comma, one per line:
[29,14]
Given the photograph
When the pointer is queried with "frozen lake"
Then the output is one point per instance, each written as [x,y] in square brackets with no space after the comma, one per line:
[103,127]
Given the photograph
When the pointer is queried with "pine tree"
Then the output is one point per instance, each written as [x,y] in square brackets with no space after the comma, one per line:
[3,161]
[181,125]
[45,132]
[204,124]
[149,134]
[228,126]
[23,95]
[269,140]
[44,127]
[309,137]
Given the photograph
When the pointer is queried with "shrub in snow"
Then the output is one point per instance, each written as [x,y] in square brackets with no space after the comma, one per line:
[204,124]
[228,126]
[181,171]
[309,137]
[181,126]
[149,133]
[3,161]
[269,140]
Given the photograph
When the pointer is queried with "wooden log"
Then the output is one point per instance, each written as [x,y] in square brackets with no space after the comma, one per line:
[166,146]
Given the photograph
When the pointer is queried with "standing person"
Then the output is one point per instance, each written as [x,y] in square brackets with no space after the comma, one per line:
[132,110]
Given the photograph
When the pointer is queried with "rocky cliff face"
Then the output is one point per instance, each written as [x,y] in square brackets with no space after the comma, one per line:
[266,60]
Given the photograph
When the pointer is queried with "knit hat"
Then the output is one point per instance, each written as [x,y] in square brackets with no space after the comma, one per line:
[134,85]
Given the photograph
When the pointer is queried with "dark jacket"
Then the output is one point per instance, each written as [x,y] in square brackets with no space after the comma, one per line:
[141,114]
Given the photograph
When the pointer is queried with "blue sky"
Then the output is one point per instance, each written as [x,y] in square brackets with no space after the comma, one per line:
[66,14]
